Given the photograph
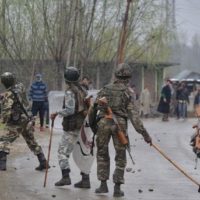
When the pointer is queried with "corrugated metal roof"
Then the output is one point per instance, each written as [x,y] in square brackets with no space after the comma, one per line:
[187,74]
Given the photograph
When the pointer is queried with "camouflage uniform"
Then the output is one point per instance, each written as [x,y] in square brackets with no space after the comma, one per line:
[119,97]
[16,121]
[73,113]
[73,117]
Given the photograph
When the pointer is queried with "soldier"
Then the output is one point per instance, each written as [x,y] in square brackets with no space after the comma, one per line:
[73,113]
[17,120]
[119,99]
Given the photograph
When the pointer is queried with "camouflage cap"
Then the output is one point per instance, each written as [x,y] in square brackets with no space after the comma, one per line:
[123,71]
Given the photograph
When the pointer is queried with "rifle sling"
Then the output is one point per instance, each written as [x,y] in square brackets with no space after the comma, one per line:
[20,104]
[116,121]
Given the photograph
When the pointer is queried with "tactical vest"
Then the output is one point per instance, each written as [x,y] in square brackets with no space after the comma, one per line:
[75,121]
[118,98]
[17,112]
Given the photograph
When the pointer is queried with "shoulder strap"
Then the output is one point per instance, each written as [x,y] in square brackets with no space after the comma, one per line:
[19,102]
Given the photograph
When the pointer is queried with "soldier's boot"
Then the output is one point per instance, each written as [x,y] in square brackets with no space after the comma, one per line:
[84,183]
[3,159]
[43,162]
[103,188]
[65,180]
[117,191]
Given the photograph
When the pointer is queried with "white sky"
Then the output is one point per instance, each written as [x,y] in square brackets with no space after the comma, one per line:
[188,17]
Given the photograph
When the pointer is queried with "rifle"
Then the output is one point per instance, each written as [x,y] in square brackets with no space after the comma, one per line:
[121,136]
[20,104]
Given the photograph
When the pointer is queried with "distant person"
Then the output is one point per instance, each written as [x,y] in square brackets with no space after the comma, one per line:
[85,82]
[38,96]
[174,103]
[197,98]
[182,96]
[145,102]
[165,99]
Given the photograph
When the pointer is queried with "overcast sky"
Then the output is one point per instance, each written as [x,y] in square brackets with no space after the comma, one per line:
[188,17]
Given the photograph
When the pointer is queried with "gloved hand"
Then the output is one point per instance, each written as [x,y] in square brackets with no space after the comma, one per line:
[147,138]
[53,116]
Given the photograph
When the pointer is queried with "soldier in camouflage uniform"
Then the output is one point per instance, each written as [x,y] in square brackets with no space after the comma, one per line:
[73,113]
[17,120]
[119,99]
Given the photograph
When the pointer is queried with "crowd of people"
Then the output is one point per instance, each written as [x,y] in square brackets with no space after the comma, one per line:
[107,120]
[175,99]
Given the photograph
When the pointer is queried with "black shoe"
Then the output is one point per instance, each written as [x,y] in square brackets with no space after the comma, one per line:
[84,183]
[117,191]
[65,180]
[103,188]
[43,162]
[42,166]
[3,159]
[2,165]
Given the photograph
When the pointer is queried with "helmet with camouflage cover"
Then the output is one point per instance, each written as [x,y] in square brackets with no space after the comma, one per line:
[71,74]
[7,79]
[123,71]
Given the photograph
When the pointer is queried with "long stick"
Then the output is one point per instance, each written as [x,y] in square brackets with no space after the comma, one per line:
[49,151]
[175,165]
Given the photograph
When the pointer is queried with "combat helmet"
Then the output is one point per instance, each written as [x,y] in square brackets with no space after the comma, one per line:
[123,71]
[71,74]
[7,79]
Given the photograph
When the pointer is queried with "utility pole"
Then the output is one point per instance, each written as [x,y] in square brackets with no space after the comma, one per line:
[123,35]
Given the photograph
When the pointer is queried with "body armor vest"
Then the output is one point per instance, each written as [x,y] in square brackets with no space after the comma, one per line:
[118,98]
[75,121]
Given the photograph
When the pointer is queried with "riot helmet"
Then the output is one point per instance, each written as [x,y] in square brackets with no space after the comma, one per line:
[123,71]
[7,79]
[71,74]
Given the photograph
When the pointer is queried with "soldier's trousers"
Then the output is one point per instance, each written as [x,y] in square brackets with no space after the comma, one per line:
[106,130]
[13,132]
[66,147]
